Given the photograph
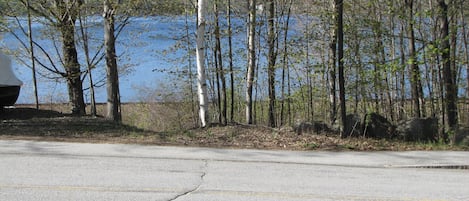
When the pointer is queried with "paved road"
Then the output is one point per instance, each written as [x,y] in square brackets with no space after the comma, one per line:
[71,171]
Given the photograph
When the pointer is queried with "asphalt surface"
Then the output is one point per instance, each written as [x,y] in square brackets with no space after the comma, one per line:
[52,171]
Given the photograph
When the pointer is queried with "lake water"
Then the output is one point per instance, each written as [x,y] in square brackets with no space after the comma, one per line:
[145,44]
[154,49]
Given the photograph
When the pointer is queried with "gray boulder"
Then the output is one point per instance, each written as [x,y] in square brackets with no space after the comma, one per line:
[419,129]
[462,137]
[377,126]
[354,125]
[316,127]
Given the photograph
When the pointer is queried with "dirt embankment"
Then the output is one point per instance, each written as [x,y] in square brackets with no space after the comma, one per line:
[49,125]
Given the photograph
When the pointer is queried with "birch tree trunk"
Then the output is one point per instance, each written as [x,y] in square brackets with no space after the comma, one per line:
[112,77]
[201,77]
[332,70]
[251,60]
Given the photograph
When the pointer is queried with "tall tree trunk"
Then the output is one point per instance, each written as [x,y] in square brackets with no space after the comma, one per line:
[33,60]
[271,61]
[258,106]
[285,68]
[67,11]
[402,77]
[448,74]
[230,55]
[340,57]
[201,76]
[251,61]
[112,76]
[415,81]
[216,82]
[453,37]
[190,63]
[393,91]
[387,82]
[332,69]
[221,71]
[381,60]
[309,115]
[89,63]
[466,59]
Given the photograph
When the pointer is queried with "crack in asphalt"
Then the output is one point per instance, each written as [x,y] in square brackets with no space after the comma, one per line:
[202,176]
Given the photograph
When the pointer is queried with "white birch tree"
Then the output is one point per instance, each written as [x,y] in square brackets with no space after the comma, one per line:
[251,60]
[201,77]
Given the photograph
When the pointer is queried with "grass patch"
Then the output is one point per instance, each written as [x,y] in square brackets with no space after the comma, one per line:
[311,146]
[29,123]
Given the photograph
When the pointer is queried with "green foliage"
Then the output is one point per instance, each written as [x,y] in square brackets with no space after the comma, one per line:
[311,146]
[189,133]
[12,8]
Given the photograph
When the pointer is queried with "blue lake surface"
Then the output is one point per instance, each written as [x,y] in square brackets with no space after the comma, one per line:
[145,44]
[150,49]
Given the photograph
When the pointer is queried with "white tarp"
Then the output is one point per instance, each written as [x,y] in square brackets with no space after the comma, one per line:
[7,77]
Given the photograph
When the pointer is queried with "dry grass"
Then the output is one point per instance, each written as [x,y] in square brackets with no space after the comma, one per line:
[172,124]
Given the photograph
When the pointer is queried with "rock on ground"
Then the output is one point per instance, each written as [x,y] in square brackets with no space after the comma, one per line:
[419,129]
